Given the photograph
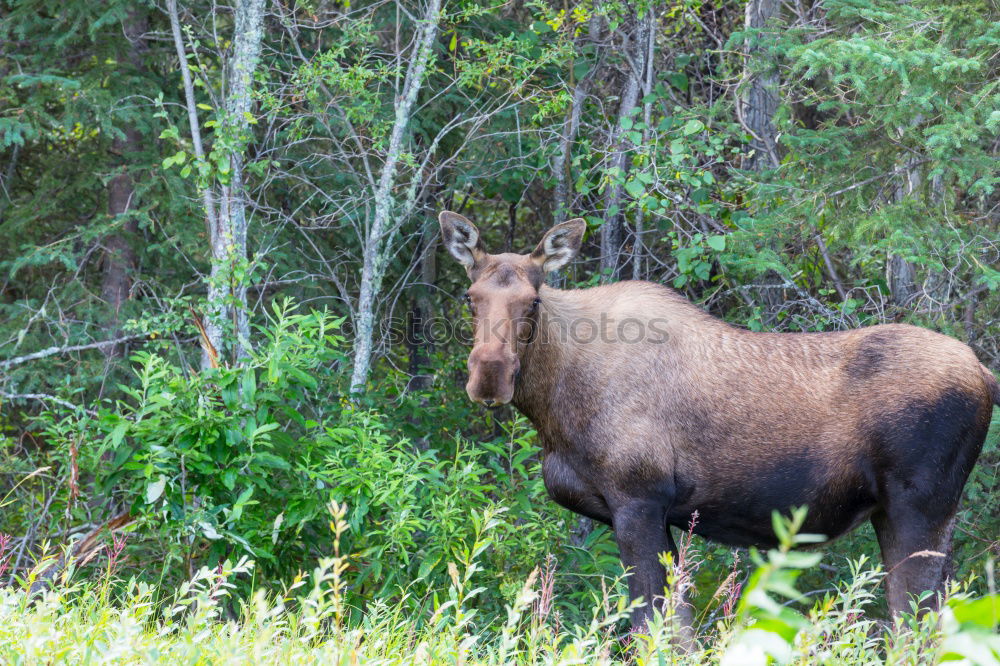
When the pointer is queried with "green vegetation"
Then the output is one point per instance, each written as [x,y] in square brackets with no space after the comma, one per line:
[204,622]
[452,552]
[223,314]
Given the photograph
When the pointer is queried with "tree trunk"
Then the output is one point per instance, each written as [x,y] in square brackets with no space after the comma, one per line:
[419,343]
[229,243]
[119,256]
[760,101]
[647,119]
[377,248]
[612,231]
[901,275]
[756,113]
[561,167]
[213,331]
[508,241]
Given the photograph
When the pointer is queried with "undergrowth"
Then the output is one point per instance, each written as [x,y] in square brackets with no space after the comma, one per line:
[205,621]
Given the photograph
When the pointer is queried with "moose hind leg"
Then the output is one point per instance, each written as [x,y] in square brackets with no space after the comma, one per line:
[916,555]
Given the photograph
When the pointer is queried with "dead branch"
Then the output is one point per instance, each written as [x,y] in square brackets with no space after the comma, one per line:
[83,551]
[52,351]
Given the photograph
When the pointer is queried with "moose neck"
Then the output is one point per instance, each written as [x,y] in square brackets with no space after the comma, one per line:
[576,333]
[541,358]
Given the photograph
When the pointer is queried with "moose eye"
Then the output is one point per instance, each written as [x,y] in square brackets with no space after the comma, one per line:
[535,303]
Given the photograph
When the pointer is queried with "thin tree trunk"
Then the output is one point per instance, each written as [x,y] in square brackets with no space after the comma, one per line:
[647,119]
[761,94]
[119,255]
[213,330]
[561,167]
[419,342]
[230,243]
[831,271]
[612,231]
[508,241]
[901,275]
[377,246]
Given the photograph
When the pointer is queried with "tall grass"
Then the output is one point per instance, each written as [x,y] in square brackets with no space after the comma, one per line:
[115,621]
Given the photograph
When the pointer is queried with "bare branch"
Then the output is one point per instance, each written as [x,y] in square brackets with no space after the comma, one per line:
[52,351]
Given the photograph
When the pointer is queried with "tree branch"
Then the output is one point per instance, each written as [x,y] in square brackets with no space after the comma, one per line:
[52,351]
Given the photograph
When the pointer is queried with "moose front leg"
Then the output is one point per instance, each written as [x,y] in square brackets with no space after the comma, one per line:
[642,535]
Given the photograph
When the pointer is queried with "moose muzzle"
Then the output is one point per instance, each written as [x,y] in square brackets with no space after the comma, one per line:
[492,372]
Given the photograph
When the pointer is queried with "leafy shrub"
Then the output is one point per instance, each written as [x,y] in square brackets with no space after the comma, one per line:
[244,461]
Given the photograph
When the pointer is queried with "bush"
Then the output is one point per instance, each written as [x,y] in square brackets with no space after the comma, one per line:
[231,462]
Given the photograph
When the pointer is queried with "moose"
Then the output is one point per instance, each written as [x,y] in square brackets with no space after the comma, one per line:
[649,409]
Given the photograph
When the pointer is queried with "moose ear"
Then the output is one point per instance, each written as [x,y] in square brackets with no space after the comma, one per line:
[461,238]
[559,245]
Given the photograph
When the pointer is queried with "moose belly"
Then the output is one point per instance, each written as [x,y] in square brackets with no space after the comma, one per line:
[734,506]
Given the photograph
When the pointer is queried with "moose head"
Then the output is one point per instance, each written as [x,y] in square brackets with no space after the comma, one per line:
[504,299]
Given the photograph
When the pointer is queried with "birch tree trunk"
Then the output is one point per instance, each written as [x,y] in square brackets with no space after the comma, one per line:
[379,234]
[229,243]
[647,119]
[227,226]
[760,101]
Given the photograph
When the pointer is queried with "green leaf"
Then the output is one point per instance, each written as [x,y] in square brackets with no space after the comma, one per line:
[634,188]
[118,434]
[717,243]
[271,460]
[155,489]
[693,126]
[983,612]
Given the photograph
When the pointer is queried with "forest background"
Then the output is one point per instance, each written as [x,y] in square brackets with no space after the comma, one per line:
[223,303]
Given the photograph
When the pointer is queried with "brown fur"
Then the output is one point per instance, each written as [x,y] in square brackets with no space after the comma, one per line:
[881,423]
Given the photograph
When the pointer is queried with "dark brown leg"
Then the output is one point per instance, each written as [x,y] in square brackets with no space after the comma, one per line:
[916,554]
[642,536]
